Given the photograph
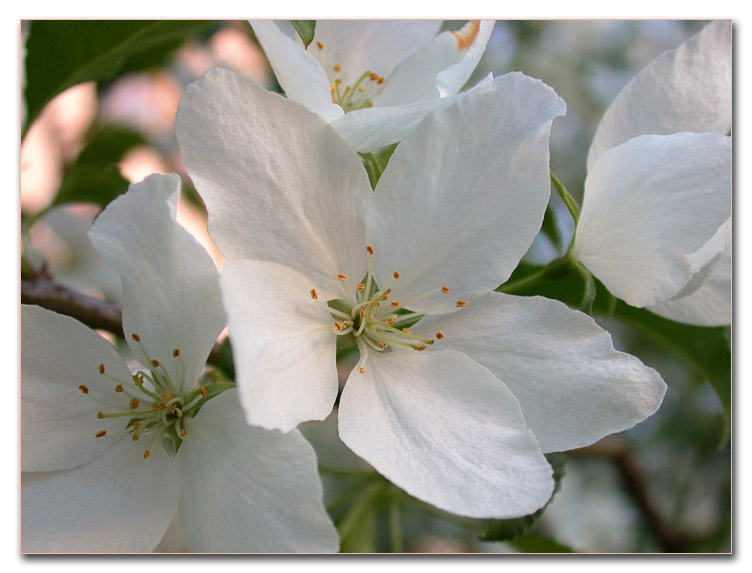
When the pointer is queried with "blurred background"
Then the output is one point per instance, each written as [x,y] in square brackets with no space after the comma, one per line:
[664,486]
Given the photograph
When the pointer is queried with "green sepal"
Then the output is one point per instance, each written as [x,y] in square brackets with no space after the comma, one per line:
[306,29]
[505,529]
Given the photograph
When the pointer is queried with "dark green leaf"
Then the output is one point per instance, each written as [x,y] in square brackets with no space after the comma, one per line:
[306,29]
[63,53]
[91,183]
[224,360]
[505,529]
[534,543]
[109,145]
[550,229]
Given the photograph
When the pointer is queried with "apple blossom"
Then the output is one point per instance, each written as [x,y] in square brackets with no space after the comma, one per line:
[374,81]
[655,221]
[459,390]
[110,456]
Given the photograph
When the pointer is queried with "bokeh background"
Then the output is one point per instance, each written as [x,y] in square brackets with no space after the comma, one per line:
[664,486]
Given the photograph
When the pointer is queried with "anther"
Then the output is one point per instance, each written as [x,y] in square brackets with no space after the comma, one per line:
[118,387]
[183,433]
[360,287]
[406,331]
[202,391]
[439,335]
[84,389]
[147,453]
[136,437]
[337,326]
[100,415]
[380,81]
[337,68]
[314,294]
[369,250]
[155,363]
[420,347]
[445,290]
[390,321]
[136,337]
[362,369]
[176,353]
[461,303]
[396,274]
[373,76]
[134,403]
[395,303]
[320,45]
[101,368]
[342,277]
[382,344]
[101,433]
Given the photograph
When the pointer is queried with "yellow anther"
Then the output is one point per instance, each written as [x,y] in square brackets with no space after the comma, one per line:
[341,277]
[155,363]
[445,290]
[100,415]
[101,433]
[314,294]
[439,335]
[362,313]
[84,389]
[337,68]
[395,303]
[390,321]
[373,76]
[147,453]
[320,45]
[118,387]
[362,369]
[176,353]
[337,326]
[136,437]
[382,344]
[134,403]
[369,250]
[344,324]
[360,287]
[101,368]
[183,433]
[406,331]
[136,337]
[380,81]
[136,425]
[420,347]
[396,274]
[202,391]
[461,303]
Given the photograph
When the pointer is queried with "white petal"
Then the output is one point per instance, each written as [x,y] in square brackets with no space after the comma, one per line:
[373,128]
[710,304]
[463,197]
[368,45]
[298,73]
[59,422]
[649,203]
[440,68]
[117,503]
[244,489]
[688,89]
[171,296]
[278,183]
[283,344]
[447,431]
[574,388]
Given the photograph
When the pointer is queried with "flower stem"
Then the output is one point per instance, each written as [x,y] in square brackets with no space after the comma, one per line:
[395,526]
[569,201]
[554,269]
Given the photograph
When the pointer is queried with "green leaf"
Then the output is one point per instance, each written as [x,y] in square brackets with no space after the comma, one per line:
[505,529]
[109,144]
[91,183]
[534,543]
[224,360]
[306,29]
[550,229]
[63,53]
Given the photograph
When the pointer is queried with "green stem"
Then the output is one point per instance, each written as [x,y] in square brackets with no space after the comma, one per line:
[395,526]
[554,269]
[360,507]
[352,474]
[569,201]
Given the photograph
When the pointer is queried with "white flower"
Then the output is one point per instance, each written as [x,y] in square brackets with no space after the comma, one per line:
[96,475]
[374,81]
[496,380]
[655,221]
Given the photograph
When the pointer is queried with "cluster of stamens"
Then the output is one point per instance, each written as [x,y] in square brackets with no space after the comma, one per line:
[360,94]
[378,323]
[151,401]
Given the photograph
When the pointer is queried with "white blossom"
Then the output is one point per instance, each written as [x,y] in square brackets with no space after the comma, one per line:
[655,224]
[111,457]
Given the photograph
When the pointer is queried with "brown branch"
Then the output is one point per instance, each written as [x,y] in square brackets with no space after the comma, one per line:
[53,296]
[90,311]
[617,451]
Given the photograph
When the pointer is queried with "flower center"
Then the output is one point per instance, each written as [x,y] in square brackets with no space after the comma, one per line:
[151,402]
[360,94]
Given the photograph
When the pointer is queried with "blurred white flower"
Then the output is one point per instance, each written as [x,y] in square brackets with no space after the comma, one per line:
[458,408]
[110,456]
[655,220]
[374,81]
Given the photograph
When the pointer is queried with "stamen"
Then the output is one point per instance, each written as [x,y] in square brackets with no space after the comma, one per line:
[395,303]
[396,274]
[314,294]
[382,344]
[439,335]
[84,389]
[369,250]
[406,331]
[136,337]
[461,303]
[176,353]
[134,403]
[390,321]
[154,362]
[337,67]
[373,76]
[320,45]
[118,387]
[360,287]
[147,453]
[341,277]
[101,368]
[100,434]
[202,391]
[420,347]
[445,290]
